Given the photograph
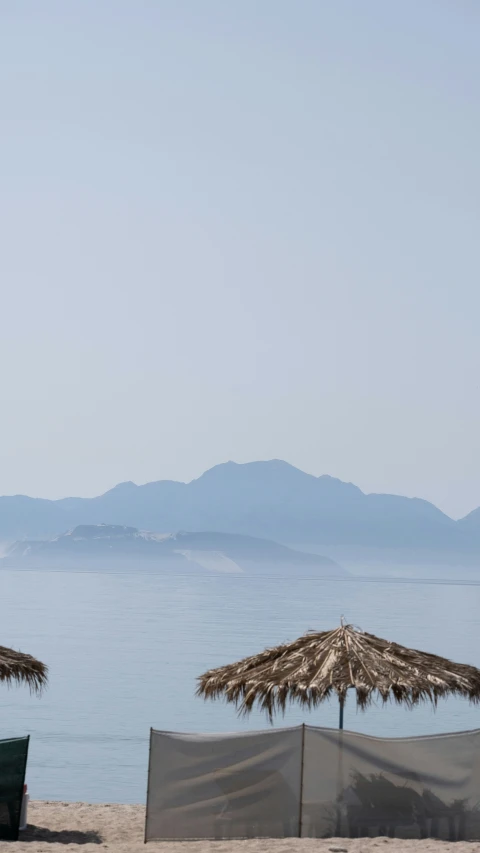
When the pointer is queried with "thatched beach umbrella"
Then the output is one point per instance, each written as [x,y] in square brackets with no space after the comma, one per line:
[19,668]
[320,665]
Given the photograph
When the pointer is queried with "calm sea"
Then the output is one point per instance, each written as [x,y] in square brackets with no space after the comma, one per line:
[124,651]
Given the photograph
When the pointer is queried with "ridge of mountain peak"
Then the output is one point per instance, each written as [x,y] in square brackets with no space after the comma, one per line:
[127,485]
[264,464]
[471,520]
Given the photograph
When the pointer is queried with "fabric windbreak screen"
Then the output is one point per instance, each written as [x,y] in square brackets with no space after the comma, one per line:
[224,786]
[318,783]
[13,762]
[407,787]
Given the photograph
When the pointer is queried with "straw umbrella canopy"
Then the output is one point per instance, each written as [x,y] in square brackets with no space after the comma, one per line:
[320,665]
[18,668]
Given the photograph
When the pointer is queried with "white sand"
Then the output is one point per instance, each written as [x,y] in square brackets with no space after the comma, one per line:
[55,827]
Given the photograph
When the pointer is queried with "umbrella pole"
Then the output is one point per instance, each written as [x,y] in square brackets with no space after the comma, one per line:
[338,827]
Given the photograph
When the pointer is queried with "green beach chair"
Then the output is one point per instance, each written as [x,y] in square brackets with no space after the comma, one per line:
[13,765]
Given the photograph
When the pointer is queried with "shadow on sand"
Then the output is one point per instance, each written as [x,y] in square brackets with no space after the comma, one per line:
[64,836]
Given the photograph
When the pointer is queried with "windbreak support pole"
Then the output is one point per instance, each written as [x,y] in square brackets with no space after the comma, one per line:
[300,814]
[338,827]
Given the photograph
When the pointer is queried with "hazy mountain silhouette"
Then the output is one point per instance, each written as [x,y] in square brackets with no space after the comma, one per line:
[113,545]
[471,524]
[271,500]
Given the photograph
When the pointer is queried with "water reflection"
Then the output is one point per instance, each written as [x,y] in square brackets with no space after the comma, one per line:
[124,651]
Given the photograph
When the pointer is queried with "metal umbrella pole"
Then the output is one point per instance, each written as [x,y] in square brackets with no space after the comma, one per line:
[338,826]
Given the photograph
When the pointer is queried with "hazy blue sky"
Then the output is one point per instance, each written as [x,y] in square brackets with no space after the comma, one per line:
[240,229]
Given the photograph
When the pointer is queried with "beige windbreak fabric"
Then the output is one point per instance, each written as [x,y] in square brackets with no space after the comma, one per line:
[313,782]
[404,787]
[224,786]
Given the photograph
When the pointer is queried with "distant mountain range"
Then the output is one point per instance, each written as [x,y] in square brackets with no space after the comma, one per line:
[113,546]
[270,500]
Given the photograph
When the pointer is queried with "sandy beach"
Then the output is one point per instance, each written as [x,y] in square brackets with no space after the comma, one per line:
[88,828]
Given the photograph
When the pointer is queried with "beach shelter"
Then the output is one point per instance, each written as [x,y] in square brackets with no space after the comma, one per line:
[317,782]
[326,664]
[319,666]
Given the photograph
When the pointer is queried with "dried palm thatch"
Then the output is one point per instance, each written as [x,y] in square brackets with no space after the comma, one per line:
[320,665]
[18,668]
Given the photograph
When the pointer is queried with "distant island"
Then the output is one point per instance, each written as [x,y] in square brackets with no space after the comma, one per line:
[268,500]
[112,547]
